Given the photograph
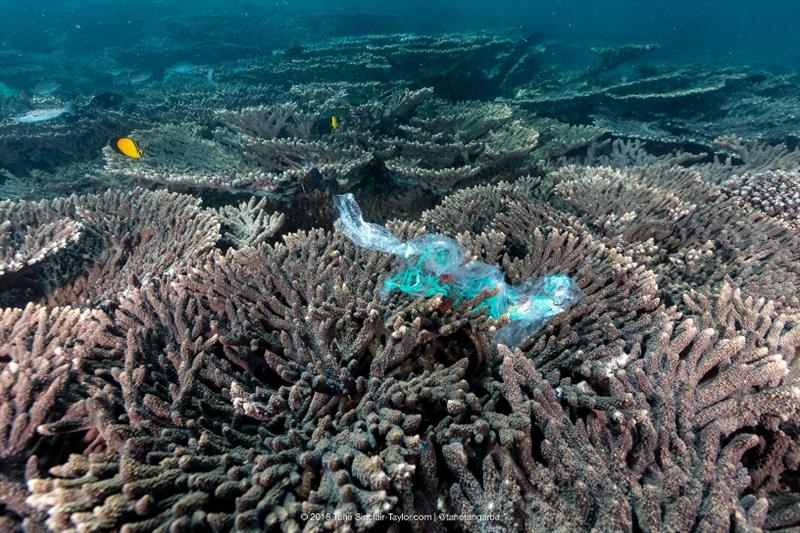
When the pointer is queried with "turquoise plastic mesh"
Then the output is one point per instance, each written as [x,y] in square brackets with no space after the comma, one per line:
[437,267]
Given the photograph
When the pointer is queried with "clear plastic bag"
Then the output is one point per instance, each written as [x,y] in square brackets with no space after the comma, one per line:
[436,267]
[535,302]
[366,234]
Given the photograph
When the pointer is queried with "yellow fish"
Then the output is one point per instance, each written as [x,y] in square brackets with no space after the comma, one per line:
[334,122]
[127,147]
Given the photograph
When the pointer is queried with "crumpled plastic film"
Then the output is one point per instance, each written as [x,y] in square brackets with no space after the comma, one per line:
[437,267]
[366,234]
[534,302]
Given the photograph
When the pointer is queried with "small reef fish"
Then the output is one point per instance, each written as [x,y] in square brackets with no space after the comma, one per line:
[127,147]
[43,88]
[43,115]
[337,117]
[139,76]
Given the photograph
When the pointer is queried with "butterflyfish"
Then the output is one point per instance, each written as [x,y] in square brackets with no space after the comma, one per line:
[127,147]
[335,122]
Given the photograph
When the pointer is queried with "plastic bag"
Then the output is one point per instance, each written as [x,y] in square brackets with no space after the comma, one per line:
[366,234]
[437,256]
[437,267]
[535,302]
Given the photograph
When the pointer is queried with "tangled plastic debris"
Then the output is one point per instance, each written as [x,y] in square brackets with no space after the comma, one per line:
[437,267]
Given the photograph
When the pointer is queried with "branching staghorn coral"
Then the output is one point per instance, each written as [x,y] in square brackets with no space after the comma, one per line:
[248,224]
[141,235]
[749,157]
[178,154]
[529,242]
[324,65]
[191,103]
[400,106]
[40,246]
[76,178]
[762,325]
[463,122]
[23,247]
[581,476]
[459,65]
[461,144]
[476,209]
[631,204]
[684,228]
[631,153]
[291,163]
[42,351]
[108,242]
[769,118]
[315,94]
[254,388]
[258,433]
[612,478]
[275,151]
[44,354]
[273,329]
[774,193]
[272,151]
[557,139]
[757,251]
[284,120]
[680,108]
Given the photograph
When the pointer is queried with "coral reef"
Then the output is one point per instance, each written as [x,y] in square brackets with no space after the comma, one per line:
[189,343]
[89,177]
[88,250]
[248,224]
[177,154]
[775,193]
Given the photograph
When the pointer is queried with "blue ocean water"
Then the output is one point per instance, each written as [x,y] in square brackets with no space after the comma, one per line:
[763,32]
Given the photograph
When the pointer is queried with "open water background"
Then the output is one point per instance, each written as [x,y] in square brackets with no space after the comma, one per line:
[763,33]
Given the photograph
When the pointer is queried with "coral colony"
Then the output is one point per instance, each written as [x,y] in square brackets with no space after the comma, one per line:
[578,308]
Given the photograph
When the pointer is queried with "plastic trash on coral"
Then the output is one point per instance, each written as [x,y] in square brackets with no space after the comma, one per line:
[366,234]
[430,273]
[537,301]
[436,266]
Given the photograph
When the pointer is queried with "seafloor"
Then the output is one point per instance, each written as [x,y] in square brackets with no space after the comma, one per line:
[189,344]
